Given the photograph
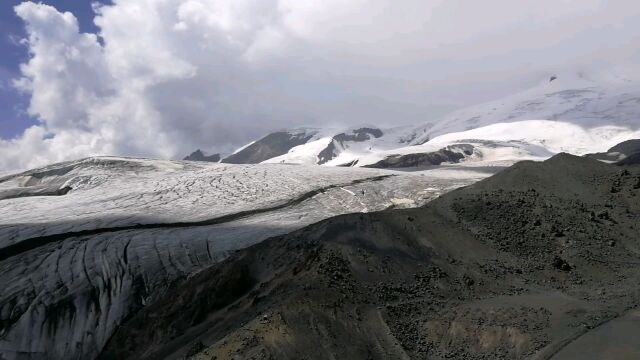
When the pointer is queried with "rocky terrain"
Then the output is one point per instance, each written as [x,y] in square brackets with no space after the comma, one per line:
[451,154]
[633,159]
[272,145]
[618,152]
[532,263]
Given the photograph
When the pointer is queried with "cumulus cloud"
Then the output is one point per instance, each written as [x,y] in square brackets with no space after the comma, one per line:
[164,77]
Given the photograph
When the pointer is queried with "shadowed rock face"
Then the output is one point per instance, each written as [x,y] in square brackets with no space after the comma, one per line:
[270,146]
[618,152]
[327,154]
[198,155]
[627,147]
[450,154]
[518,265]
[338,142]
[359,135]
[633,159]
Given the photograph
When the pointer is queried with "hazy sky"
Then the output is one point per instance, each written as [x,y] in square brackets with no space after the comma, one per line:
[161,78]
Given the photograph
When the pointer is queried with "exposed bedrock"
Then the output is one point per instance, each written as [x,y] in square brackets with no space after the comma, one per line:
[449,154]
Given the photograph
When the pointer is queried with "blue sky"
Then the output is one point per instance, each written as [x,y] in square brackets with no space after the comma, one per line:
[13,118]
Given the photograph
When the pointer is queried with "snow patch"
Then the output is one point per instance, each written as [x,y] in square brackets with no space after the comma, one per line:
[305,154]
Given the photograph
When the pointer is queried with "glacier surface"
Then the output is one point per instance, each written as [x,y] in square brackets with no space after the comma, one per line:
[76,263]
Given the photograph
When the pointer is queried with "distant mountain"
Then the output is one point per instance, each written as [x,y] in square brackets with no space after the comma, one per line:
[563,113]
[590,102]
[270,146]
[198,155]
[312,146]
[340,147]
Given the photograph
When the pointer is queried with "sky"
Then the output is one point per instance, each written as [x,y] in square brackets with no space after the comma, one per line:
[162,78]
[14,118]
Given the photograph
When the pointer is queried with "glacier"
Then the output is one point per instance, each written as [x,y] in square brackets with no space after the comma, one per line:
[76,264]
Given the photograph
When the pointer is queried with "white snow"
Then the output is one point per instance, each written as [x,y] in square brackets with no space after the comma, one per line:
[514,141]
[588,102]
[546,137]
[348,191]
[574,113]
[308,153]
[305,154]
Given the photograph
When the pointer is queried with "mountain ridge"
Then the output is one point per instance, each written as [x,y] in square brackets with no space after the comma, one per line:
[572,113]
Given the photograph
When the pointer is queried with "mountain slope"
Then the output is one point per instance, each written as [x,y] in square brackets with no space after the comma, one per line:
[578,99]
[519,265]
[330,150]
[270,146]
[619,151]
[633,159]
[572,113]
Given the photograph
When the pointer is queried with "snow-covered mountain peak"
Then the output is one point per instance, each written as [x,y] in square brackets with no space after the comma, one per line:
[583,100]
[571,111]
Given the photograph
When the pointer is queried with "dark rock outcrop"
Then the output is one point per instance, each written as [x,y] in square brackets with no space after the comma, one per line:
[633,159]
[327,154]
[627,147]
[340,141]
[198,155]
[270,146]
[450,154]
[618,152]
[358,135]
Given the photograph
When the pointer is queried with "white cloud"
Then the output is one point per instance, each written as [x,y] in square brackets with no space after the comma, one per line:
[164,77]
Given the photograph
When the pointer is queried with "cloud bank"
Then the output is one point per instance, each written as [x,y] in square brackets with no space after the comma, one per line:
[162,78]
